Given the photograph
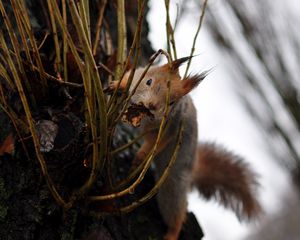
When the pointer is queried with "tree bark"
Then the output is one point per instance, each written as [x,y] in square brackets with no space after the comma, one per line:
[27,208]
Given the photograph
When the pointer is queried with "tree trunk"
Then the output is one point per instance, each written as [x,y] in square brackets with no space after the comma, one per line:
[27,208]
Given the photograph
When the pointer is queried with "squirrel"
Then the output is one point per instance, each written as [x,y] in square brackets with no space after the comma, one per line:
[216,172]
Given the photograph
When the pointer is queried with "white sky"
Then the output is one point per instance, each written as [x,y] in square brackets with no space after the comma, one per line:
[221,119]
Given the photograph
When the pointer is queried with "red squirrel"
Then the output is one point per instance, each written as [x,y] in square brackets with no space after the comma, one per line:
[216,172]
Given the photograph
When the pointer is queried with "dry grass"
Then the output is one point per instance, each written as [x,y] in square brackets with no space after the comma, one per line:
[21,54]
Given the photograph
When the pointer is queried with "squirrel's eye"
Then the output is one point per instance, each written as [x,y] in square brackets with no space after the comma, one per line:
[149,81]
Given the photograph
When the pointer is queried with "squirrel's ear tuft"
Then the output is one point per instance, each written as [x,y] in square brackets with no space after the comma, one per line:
[184,86]
[177,63]
[174,66]
[192,81]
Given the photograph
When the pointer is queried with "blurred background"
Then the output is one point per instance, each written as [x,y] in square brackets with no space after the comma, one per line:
[249,103]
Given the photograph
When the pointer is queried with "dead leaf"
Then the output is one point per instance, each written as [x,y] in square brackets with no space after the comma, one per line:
[8,146]
[135,113]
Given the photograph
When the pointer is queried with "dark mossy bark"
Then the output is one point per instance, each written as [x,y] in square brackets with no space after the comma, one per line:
[27,208]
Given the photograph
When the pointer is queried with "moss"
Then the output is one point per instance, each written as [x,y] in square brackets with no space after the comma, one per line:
[4,193]
[69,225]
[3,212]
[2,188]
[152,238]
[67,236]
[3,197]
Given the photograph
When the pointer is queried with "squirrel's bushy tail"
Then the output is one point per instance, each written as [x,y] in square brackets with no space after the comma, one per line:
[224,176]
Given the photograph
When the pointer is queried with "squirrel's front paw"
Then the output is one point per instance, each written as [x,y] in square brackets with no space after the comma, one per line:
[112,86]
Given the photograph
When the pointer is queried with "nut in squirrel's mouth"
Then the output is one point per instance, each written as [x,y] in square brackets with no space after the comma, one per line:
[135,113]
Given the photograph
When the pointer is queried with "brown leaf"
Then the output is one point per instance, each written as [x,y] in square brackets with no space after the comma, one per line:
[8,146]
[135,113]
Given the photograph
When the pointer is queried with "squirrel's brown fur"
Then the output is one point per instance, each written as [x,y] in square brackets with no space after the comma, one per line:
[219,174]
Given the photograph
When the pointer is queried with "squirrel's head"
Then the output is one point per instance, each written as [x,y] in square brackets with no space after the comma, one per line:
[153,88]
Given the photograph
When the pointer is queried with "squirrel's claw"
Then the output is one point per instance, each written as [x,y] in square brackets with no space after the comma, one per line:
[112,87]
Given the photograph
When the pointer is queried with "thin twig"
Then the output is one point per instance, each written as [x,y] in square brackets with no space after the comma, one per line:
[48,76]
[122,38]
[125,146]
[56,41]
[135,44]
[98,26]
[137,34]
[101,65]
[62,82]
[83,13]
[5,75]
[64,40]
[177,16]
[167,2]
[83,8]
[108,40]
[44,40]
[170,32]
[195,38]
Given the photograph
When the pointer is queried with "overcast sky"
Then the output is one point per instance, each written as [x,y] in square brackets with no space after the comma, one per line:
[222,119]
